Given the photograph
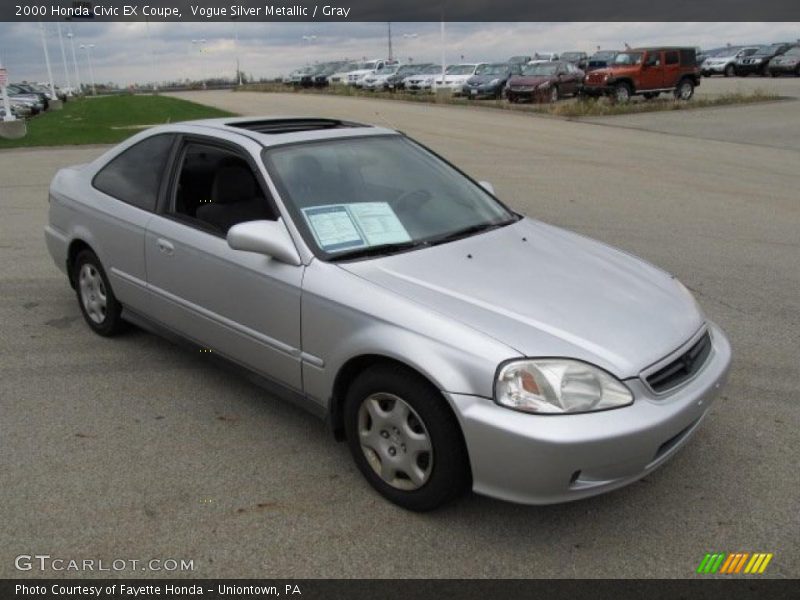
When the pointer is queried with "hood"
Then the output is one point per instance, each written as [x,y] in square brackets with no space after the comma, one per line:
[544,291]
[529,80]
[422,77]
[454,78]
[484,79]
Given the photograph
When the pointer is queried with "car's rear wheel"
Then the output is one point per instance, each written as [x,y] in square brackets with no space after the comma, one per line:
[730,71]
[96,299]
[685,90]
[404,438]
[622,92]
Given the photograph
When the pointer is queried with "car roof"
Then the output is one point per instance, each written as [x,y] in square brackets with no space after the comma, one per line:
[659,48]
[278,130]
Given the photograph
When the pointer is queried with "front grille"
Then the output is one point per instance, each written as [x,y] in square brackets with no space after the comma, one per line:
[682,368]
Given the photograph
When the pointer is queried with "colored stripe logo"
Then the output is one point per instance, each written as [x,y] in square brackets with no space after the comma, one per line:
[734,563]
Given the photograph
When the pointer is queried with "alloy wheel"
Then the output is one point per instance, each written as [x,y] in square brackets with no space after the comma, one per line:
[395,441]
[685,90]
[93,293]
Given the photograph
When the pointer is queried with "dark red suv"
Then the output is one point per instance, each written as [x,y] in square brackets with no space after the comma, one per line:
[646,71]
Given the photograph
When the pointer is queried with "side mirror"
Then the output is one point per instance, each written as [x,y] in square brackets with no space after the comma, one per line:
[487,186]
[264,237]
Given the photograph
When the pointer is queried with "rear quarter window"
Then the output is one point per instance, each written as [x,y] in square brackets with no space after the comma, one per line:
[135,175]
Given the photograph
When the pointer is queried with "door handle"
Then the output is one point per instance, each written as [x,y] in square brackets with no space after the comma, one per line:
[165,246]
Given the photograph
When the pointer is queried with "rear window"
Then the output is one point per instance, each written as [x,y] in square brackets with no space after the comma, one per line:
[135,175]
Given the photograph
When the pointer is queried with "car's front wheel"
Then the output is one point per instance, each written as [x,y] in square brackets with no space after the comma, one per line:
[685,90]
[622,92]
[404,438]
[99,306]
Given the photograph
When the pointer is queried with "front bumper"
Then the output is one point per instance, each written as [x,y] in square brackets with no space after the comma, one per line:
[747,69]
[784,68]
[596,90]
[481,91]
[536,459]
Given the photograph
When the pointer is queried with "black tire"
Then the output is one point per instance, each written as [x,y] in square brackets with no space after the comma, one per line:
[684,90]
[730,71]
[111,322]
[623,92]
[449,475]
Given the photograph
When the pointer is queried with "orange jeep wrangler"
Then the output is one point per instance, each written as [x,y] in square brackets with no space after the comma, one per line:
[646,71]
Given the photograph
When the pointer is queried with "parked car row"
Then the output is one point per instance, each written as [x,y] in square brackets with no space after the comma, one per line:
[647,72]
[29,99]
[781,58]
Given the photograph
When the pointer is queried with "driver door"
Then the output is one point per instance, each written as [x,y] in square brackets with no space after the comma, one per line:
[241,305]
[652,74]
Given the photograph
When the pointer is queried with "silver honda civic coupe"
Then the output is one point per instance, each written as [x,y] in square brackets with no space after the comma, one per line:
[452,342]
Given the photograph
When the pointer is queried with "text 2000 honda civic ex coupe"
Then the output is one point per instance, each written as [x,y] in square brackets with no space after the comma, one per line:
[451,341]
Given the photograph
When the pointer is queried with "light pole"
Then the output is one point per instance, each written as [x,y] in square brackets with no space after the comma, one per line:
[236,49]
[63,57]
[47,61]
[70,36]
[310,39]
[88,48]
[199,43]
[152,56]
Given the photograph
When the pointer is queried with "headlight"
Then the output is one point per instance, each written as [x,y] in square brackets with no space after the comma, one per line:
[558,386]
[494,82]
[543,86]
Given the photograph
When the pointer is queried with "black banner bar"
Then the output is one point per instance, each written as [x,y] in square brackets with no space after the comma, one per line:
[396,589]
[401,10]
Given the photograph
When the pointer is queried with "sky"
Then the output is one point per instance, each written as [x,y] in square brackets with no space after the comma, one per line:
[123,55]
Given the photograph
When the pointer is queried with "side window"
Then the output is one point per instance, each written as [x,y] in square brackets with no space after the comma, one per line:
[654,59]
[671,57]
[217,189]
[135,175]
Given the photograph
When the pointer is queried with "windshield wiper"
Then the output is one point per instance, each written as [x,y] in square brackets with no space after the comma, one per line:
[379,250]
[471,230]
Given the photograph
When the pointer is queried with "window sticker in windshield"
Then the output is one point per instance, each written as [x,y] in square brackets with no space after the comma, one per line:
[344,226]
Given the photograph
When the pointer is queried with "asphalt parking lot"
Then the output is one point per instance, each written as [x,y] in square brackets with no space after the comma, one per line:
[134,448]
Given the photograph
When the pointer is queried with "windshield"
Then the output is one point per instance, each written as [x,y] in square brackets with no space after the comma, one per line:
[605,55]
[793,51]
[540,70]
[501,69]
[766,50]
[409,69]
[365,192]
[572,56]
[388,70]
[367,66]
[628,58]
[460,69]
[431,70]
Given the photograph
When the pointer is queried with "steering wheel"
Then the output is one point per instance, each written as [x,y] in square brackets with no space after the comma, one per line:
[411,201]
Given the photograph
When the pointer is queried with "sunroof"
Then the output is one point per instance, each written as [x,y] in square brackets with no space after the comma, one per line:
[274,126]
